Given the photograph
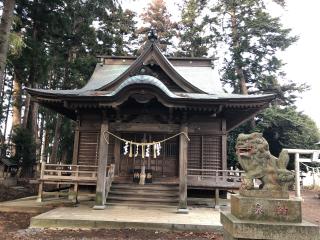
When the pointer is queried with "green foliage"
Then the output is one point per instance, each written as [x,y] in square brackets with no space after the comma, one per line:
[65,149]
[232,140]
[194,35]
[282,128]
[287,128]
[117,33]
[25,147]
[253,39]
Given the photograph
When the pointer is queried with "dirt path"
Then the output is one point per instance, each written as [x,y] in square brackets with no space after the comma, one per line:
[311,206]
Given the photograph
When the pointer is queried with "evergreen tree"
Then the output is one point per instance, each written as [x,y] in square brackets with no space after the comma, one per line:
[195,38]
[287,128]
[157,17]
[253,38]
[61,44]
[118,37]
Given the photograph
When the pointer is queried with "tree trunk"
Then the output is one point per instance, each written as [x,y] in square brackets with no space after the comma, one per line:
[243,89]
[44,152]
[56,140]
[16,102]
[26,111]
[34,121]
[5,25]
[242,82]
[7,111]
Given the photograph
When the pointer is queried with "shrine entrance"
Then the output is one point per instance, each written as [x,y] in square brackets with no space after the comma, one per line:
[165,165]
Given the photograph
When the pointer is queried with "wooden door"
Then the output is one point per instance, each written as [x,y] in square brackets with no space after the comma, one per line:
[165,165]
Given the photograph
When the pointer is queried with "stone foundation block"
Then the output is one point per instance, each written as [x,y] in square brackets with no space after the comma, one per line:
[237,229]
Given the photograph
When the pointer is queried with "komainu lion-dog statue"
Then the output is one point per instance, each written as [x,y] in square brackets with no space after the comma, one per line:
[258,163]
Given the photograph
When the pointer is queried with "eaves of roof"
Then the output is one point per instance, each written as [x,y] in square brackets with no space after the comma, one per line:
[145,80]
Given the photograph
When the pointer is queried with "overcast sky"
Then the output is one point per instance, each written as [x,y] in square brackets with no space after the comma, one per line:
[302,58]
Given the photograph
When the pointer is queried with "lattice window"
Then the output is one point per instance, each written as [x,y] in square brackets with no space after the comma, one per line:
[211,158]
[88,148]
[194,152]
[204,152]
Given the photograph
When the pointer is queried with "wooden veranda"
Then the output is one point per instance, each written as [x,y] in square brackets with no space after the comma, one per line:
[72,176]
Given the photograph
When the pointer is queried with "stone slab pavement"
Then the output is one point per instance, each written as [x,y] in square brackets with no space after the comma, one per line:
[30,205]
[83,216]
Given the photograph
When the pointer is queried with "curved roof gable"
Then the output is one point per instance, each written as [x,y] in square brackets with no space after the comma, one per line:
[151,54]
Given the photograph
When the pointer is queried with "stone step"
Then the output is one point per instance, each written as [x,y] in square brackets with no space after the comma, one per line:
[128,194]
[134,187]
[145,193]
[141,204]
[142,199]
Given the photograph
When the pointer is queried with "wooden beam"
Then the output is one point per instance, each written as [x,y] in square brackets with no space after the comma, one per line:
[102,166]
[183,160]
[144,127]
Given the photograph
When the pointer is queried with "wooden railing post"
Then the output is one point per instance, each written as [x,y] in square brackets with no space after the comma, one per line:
[39,198]
[110,177]
[76,185]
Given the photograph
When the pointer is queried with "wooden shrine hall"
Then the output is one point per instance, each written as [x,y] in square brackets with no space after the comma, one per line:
[149,123]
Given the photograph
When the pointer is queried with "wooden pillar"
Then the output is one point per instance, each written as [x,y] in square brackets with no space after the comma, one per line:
[76,143]
[116,153]
[40,190]
[217,193]
[224,145]
[102,166]
[183,158]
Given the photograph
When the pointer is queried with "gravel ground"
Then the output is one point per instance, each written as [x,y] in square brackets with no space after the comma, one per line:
[15,225]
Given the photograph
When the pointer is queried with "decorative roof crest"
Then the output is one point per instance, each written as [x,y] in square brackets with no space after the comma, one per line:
[152,35]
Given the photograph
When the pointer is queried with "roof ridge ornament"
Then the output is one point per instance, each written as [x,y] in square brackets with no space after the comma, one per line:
[152,35]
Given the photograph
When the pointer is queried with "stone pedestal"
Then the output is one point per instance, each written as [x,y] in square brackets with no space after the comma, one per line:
[266,215]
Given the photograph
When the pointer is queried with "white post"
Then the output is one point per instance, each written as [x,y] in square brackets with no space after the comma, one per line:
[297,170]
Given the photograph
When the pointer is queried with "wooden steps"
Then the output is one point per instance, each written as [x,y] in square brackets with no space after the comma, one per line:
[131,194]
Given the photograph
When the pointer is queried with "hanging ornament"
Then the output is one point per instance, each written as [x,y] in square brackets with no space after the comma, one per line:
[137,150]
[125,148]
[148,151]
[154,150]
[130,151]
[158,149]
[142,150]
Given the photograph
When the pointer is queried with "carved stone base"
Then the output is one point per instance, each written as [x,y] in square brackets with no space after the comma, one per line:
[237,229]
[266,218]
[261,209]
[264,193]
